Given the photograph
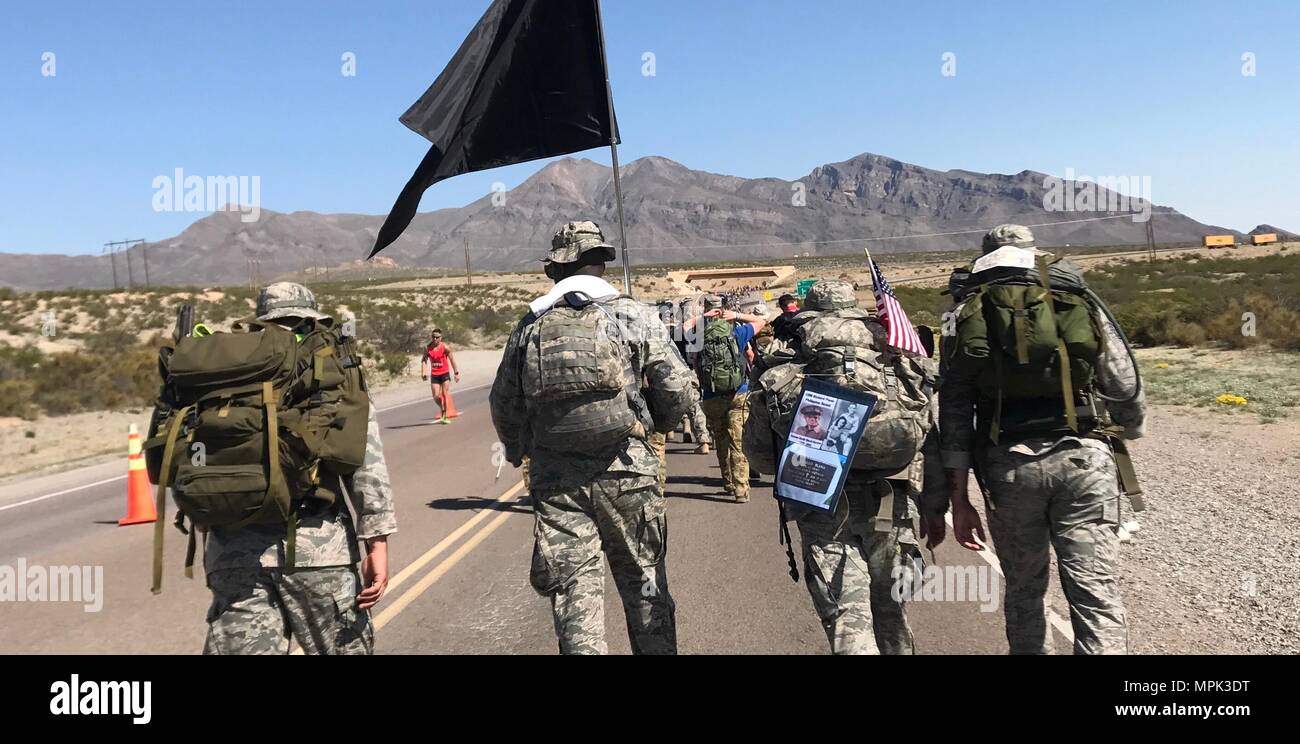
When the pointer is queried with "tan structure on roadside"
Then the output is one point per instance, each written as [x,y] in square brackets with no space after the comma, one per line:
[710,280]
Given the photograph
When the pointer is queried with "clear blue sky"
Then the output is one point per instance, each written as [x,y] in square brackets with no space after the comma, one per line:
[751,88]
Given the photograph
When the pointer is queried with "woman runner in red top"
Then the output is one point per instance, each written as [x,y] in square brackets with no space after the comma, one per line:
[438,366]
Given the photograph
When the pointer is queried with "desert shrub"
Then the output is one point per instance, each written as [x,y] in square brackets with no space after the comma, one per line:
[33,382]
[109,342]
[1185,303]
[392,364]
[16,399]
[390,333]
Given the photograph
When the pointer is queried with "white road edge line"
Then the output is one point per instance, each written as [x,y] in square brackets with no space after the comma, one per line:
[123,477]
[60,493]
[990,558]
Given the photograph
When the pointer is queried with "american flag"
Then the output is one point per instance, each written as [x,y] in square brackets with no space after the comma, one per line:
[901,333]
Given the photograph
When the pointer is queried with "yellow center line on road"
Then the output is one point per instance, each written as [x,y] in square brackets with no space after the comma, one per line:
[432,577]
[447,541]
[446,565]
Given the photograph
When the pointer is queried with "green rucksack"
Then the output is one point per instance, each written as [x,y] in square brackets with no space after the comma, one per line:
[1033,338]
[246,420]
[721,362]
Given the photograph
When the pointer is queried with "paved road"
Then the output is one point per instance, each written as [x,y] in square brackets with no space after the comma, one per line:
[460,563]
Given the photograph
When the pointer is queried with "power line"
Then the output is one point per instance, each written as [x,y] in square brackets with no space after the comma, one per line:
[116,246]
[876,239]
[872,239]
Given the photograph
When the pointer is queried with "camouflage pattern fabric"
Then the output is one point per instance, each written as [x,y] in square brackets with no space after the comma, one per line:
[726,414]
[257,611]
[1004,235]
[830,294]
[624,517]
[576,238]
[287,300]
[326,534]
[1067,499]
[659,386]
[659,445]
[849,565]
[699,425]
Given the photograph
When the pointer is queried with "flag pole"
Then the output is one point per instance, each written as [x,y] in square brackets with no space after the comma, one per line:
[622,226]
[613,155]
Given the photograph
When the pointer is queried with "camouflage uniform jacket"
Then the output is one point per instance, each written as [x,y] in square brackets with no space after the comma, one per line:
[326,535]
[959,400]
[654,373]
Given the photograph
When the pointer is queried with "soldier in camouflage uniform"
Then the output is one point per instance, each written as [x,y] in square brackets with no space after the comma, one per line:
[1056,491]
[854,555]
[602,500]
[323,603]
[694,424]
[725,412]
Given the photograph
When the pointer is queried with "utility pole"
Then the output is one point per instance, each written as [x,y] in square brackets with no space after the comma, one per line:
[112,249]
[1151,241]
[112,257]
[469,278]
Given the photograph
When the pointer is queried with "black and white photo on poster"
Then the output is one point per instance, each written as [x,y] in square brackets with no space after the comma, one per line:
[824,433]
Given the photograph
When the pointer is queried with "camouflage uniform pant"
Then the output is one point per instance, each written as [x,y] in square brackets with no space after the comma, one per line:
[626,520]
[849,566]
[1067,499]
[658,445]
[699,425]
[726,420]
[256,611]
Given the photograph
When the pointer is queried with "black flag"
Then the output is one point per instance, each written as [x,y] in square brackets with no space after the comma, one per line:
[528,82]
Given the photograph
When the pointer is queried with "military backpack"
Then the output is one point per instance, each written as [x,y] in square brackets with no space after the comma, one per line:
[844,347]
[248,422]
[1032,339]
[721,361]
[575,380]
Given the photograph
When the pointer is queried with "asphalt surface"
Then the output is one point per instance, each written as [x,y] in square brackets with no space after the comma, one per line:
[459,562]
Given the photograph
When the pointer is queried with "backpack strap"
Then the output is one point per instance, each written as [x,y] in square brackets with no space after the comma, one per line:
[190,549]
[995,425]
[783,532]
[164,480]
[1128,479]
[275,478]
[1020,316]
[1067,385]
[884,521]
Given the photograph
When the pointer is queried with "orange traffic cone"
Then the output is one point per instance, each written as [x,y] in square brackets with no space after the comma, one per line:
[139,501]
[448,405]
